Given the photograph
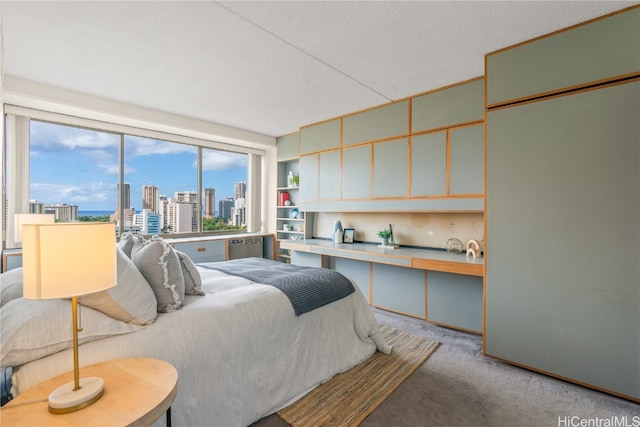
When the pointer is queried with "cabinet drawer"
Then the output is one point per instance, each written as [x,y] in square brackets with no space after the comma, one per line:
[204,251]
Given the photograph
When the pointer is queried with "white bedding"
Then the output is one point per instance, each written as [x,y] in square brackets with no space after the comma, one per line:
[240,351]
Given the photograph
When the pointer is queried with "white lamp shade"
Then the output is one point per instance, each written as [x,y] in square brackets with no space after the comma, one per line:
[29,218]
[68,259]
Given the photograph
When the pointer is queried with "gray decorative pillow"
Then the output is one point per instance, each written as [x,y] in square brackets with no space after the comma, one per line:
[192,279]
[130,243]
[32,329]
[132,300]
[158,263]
[10,285]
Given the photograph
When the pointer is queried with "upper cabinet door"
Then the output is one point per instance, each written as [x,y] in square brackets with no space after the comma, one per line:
[455,105]
[320,136]
[429,164]
[287,146]
[466,154]
[391,168]
[378,123]
[603,50]
[356,172]
[330,173]
[308,178]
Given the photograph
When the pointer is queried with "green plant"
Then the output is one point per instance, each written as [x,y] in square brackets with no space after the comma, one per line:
[295,180]
[384,234]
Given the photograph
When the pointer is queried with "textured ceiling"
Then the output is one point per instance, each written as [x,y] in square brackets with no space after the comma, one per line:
[268,66]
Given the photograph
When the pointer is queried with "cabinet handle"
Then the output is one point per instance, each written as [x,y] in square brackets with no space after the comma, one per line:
[201,249]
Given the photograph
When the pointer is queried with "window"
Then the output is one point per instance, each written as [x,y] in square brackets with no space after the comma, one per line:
[73,172]
[145,185]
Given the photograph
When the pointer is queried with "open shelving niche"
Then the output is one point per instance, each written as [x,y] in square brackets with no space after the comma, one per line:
[301,227]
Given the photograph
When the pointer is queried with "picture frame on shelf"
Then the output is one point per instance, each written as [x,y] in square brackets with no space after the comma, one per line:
[349,235]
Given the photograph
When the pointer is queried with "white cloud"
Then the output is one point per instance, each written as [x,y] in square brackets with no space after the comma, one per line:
[223,161]
[80,193]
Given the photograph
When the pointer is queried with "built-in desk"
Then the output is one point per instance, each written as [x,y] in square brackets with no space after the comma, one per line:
[434,285]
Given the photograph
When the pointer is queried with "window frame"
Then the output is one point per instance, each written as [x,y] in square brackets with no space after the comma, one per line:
[16,165]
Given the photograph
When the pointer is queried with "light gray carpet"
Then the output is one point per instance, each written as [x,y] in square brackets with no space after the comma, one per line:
[458,386]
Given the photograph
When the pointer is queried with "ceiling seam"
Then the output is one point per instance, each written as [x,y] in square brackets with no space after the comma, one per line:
[299,49]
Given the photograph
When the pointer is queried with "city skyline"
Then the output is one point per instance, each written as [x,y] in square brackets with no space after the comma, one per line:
[80,167]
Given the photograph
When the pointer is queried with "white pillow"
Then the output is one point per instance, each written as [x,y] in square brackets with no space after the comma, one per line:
[32,329]
[192,279]
[132,300]
[10,285]
[158,263]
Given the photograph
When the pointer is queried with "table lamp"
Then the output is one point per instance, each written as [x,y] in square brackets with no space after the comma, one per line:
[67,260]
[29,218]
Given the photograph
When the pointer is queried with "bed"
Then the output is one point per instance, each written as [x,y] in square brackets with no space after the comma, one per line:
[239,347]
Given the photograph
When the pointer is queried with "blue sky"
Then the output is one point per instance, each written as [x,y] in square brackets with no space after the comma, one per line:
[80,167]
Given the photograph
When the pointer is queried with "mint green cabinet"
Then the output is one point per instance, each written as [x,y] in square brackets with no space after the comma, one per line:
[563,202]
[287,146]
[320,137]
[391,168]
[455,300]
[429,164]
[466,168]
[602,50]
[357,271]
[399,289]
[308,177]
[329,175]
[356,172]
[455,105]
[387,121]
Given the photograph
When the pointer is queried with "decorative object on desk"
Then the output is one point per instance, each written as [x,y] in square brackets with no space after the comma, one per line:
[392,239]
[294,237]
[384,236]
[294,213]
[349,235]
[284,198]
[295,180]
[337,238]
[290,179]
[473,248]
[337,225]
[454,245]
[58,264]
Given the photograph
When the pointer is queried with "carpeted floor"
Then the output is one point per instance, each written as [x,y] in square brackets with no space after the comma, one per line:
[458,386]
[350,396]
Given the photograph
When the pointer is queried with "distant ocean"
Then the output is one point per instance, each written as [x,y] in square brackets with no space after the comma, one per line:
[94,213]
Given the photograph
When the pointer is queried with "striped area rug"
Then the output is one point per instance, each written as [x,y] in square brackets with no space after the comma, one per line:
[349,397]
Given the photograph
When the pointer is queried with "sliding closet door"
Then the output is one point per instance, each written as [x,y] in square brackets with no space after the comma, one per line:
[563,237]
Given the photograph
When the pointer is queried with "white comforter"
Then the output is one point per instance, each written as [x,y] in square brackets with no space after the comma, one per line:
[240,351]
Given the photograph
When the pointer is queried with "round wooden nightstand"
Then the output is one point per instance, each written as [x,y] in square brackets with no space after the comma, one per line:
[136,393]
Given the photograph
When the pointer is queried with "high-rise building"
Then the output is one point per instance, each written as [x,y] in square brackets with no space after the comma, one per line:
[35,207]
[62,212]
[240,190]
[147,221]
[150,198]
[126,196]
[239,204]
[179,217]
[209,202]
[185,197]
[225,208]
[190,198]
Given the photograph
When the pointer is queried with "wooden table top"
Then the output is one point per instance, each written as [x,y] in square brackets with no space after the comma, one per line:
[137,392]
